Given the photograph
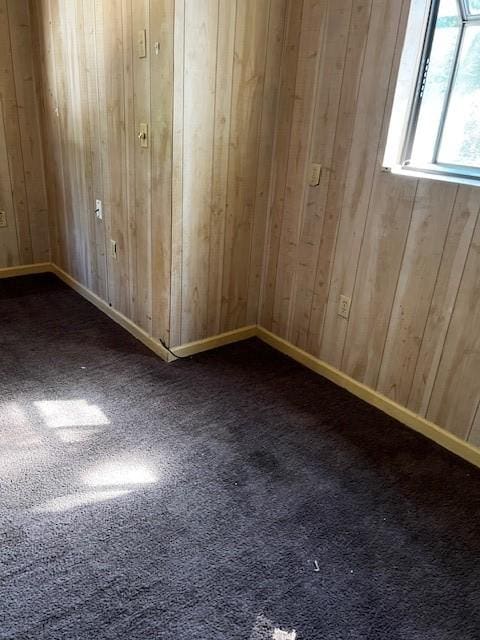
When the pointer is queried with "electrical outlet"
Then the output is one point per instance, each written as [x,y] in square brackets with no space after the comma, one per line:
[113,249]
[142,43]
[344,307]
[3,218]
[99,209]
[315,173]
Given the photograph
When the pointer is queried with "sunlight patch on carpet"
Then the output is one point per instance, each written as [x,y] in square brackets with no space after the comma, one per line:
[121,472]
[70,413]
[76,500]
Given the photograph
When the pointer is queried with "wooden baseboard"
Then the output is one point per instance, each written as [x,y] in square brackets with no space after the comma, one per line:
[219,340]
[115,315]
[25,270]
[181,351]
[445,439]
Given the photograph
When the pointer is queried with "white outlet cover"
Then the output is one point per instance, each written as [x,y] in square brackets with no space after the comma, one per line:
[344,306]
[315,174]
[99,209]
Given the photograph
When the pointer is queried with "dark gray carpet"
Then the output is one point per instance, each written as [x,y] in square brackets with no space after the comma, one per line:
[189,501]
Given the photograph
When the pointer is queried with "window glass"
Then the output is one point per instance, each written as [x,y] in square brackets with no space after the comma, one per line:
[461,134]
[442,59]
[474,6]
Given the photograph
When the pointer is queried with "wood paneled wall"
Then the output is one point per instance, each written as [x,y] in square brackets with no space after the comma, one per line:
[188,213]
[228,56]
[406,251]
[22,190]
[96,92]
[240,96]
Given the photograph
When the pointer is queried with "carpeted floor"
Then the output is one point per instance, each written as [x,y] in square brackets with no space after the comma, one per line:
[189,501]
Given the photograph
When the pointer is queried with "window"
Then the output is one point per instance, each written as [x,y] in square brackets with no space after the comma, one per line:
[441,134]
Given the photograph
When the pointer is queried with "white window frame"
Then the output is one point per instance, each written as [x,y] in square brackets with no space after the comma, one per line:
[406,105]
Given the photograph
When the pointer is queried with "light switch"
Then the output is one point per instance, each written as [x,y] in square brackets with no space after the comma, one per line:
[315,173]
[143,134]
[142,43]
[3,219]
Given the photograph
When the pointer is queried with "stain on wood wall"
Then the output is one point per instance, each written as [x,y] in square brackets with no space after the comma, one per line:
[406,251]
[25,239]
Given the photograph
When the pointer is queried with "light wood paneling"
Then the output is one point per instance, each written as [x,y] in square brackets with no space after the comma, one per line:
[312,29]
[363,159]
[431,215]
[25,239]
[444,297]
[456,392]
[161,127]
[227,17]
[250,63]
[188,213]
[200,51]
[283,125]
[336,169]
[401,248]
[215,223]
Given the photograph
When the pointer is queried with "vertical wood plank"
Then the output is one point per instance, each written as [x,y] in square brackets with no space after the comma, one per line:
[142,176]
[77,112]
[247,92]
[227,13]
[93,168]
[47,92]
[9,255]
[29,126]
[379,265]
[458,241]
[201,23]
[177,174]
[382,38]
[381,253]
[286,103]
[275,42]
[68,239]
[329,81]
[474,435]
[313,27]
[12,138]
[339,168]
[423,253]
[161,81]
[112,109]
[456,392]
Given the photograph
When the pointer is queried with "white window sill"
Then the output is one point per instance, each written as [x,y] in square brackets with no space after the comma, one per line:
[430,175]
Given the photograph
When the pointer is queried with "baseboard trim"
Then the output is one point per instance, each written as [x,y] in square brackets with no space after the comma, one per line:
[115,315]
[191,348]
[25,270]
[445,439]
[416,422]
